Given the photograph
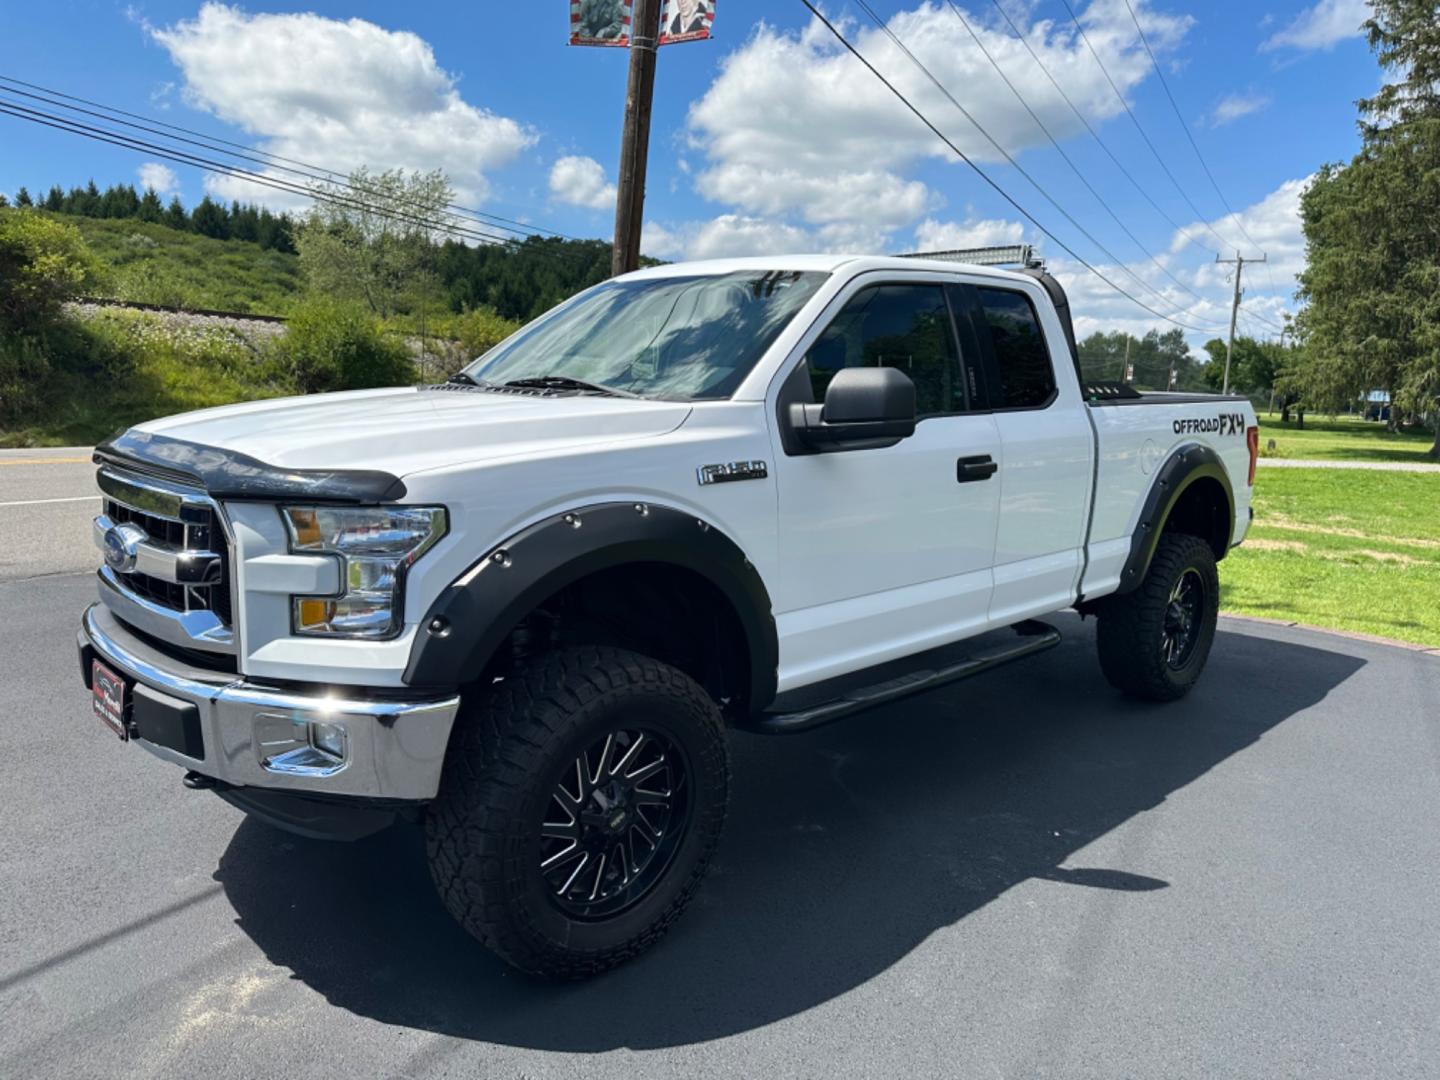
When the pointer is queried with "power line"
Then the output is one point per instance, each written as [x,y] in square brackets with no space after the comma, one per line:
[982,173]
[1139,187]
[1164,82]
[1068,160]
[76,127]
[213,142]
[1020,168]
[1136,121]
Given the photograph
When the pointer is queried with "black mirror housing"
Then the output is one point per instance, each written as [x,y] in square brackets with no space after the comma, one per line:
[865,408]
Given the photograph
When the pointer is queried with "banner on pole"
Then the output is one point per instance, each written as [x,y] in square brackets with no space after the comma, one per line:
[600,22]
[685,20]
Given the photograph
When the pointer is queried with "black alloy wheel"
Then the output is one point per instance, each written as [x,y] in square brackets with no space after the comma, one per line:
[615,817]
[1180,631]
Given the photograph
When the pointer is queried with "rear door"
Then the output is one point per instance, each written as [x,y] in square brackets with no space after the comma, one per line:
[1046,449]
[886,551]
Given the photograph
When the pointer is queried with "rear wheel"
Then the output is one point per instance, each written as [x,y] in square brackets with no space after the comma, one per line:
[1154,641]
[582,799]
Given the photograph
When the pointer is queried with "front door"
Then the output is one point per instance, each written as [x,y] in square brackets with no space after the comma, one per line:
[885,552]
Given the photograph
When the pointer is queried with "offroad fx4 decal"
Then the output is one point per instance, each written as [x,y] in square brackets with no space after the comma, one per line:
[1225,424]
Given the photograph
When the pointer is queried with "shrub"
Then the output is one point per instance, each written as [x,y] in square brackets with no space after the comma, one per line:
[43,263]
[331,345]
[481,329]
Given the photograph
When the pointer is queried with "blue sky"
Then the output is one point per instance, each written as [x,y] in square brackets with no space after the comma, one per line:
[767,138]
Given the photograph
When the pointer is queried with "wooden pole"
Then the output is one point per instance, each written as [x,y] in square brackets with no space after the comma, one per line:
[635,141]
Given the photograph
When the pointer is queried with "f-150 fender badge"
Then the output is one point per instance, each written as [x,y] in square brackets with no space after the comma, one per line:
[1230,423]
[733,470]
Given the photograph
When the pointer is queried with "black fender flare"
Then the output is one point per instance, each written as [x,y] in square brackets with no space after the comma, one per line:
[476,612]
[1187,464]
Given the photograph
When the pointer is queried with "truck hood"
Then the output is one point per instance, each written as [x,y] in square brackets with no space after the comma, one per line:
[405,430]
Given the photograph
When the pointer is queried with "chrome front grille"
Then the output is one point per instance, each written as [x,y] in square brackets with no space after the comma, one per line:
[167,560]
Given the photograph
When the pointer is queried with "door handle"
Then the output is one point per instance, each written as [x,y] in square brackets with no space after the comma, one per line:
[979,467]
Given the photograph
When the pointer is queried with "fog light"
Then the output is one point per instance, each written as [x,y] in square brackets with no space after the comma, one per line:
[328,738]
[286,744]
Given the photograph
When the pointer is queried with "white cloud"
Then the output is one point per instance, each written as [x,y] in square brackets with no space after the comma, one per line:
[1273,224]
[1233,106]
[803,144]
[1321,27]
[932,235]
[336,93]
[580,181]
[160,177]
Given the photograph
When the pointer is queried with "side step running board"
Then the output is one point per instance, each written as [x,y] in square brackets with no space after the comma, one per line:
[1032,637]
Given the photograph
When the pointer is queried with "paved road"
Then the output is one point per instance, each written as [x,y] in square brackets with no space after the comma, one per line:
[47,498]
[1020,876]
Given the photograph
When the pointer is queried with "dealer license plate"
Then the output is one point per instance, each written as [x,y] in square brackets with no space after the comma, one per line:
[108,698]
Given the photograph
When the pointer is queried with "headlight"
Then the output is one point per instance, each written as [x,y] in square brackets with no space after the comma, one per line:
[375,545]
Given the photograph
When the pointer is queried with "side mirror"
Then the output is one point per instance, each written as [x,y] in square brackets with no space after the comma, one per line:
[865,408]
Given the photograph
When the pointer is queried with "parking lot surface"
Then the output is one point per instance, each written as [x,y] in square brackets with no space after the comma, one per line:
[1022,875]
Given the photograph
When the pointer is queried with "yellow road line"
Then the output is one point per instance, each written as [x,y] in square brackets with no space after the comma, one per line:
[43,461]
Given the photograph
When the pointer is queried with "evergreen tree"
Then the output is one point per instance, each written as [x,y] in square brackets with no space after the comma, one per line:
[55,200]
[150,208]
[175,215]
[1372,232]
[22,198]
[209,218]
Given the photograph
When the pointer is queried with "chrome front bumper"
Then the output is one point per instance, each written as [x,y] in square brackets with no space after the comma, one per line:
[395,748]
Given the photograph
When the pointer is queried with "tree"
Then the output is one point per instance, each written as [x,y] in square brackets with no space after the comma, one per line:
[1256,367]
[43,263]
[209,218]
[22,199]
[1154,358]
[150,208]
[371,238]
[1372,231]
[175,215]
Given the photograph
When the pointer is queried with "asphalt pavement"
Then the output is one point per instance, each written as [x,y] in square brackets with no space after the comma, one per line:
[1023,875]
[43,495]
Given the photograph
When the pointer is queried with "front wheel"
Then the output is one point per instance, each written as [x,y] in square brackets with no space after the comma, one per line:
[582,799]
[1155,640]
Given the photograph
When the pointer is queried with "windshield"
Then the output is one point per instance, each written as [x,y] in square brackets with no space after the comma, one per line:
[676,337]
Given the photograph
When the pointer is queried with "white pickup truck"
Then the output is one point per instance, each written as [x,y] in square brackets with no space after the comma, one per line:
[523,606]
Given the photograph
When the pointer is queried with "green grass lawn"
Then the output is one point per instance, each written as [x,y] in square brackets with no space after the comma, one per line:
[1347,549]
[1341,439]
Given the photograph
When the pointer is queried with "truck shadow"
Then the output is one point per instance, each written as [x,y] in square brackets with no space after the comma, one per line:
[846,849]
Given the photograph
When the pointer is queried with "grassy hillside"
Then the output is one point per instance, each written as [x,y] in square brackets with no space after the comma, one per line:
[158,265]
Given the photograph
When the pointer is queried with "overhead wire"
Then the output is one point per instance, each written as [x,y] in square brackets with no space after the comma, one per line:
[214,142]
[1079,174]
[181,157]
[1139,187]
[1190,135]
[1200,217]
[985,176]
[1114,259]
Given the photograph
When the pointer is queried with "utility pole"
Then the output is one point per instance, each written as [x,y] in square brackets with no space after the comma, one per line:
[1125,367]
[635,142]
[1239,261]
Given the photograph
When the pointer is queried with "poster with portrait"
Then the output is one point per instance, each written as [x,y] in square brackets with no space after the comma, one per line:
[685,20]
[600,22]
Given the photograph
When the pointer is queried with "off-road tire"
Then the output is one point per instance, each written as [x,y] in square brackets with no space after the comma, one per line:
[509,744]
[1132,626]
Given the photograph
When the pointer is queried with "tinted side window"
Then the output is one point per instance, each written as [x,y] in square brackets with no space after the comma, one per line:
[901,326]
[1027,380]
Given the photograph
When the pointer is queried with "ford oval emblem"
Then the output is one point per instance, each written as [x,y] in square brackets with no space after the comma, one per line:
[122,546]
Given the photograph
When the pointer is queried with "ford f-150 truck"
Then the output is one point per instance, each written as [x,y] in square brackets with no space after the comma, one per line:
[522,607]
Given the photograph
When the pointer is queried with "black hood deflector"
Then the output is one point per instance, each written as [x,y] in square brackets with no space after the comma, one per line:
[226,474]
